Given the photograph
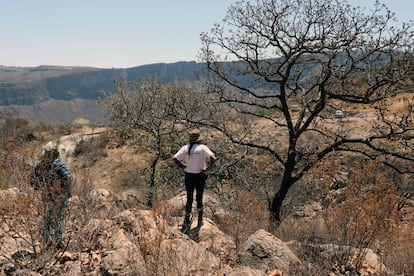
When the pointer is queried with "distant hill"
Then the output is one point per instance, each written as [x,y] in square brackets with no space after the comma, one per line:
[33,92]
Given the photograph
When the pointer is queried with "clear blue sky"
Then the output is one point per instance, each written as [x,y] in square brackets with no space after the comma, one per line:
[110,33]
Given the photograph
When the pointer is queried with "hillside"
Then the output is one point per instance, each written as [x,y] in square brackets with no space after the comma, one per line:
[57,111]
[32,93]
[110,231]
[24,91]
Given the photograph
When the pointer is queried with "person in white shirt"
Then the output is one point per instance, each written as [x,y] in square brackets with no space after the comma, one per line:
[193,159]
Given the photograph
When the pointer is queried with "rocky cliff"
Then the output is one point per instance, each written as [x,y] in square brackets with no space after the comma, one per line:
[34,92]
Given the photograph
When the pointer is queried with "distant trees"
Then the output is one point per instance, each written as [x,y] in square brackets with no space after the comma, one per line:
[292,63]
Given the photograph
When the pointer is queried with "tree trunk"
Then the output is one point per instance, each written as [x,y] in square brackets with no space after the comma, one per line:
[279,197]
[152,188]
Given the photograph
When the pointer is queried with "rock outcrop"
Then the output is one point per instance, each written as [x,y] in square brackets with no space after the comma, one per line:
[140,242]
[265,252]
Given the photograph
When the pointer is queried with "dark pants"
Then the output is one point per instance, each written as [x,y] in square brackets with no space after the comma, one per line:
[53,220]
[194,182]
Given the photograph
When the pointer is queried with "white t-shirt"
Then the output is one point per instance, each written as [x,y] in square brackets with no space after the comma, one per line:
[196,161]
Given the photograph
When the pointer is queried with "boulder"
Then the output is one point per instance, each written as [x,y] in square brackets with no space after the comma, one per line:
[220,244]
[123,257]
[180,256]
[265,252]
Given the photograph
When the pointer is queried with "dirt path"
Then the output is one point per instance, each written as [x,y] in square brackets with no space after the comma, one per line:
[69,142]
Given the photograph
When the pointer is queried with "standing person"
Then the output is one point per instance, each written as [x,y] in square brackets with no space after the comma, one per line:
[192,158]
[54,180]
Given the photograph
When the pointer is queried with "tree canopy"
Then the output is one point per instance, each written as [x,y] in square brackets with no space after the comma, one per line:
[289,64]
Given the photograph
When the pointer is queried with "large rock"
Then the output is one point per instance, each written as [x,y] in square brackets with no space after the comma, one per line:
[123,257]
[168,251]
[185,257]
[265,252]
[214,240]
[372,264]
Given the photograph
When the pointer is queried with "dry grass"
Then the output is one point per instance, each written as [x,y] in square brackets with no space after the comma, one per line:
[360,215]
[247,217]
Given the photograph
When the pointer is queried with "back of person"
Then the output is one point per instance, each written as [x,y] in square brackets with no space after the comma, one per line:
[64,176]
[192,159]
[196,159]
[54,181]
[53,178]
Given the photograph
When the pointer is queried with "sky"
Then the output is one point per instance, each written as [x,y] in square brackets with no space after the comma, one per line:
[117,34]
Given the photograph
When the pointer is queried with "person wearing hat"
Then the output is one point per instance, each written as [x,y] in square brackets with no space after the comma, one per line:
[192,158]
[54,180]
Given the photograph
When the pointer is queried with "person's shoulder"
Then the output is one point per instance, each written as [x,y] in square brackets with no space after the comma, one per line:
[205,147]
[58,162]
[183,148]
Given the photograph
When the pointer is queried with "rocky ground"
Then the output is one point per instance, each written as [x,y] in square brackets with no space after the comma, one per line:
[149,242]
[106,234]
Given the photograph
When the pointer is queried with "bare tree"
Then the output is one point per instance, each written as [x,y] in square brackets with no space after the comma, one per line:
[291,63]
[152,105]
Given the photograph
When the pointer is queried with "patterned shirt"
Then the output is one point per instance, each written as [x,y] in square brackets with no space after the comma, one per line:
[47,174]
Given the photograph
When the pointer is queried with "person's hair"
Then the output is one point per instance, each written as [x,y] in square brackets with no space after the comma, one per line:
[51,150]
[190,146]
[53,154]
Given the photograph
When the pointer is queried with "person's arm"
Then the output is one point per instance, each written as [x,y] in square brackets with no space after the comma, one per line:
[179,163]
[179,157]
[65,176]
[212,163]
